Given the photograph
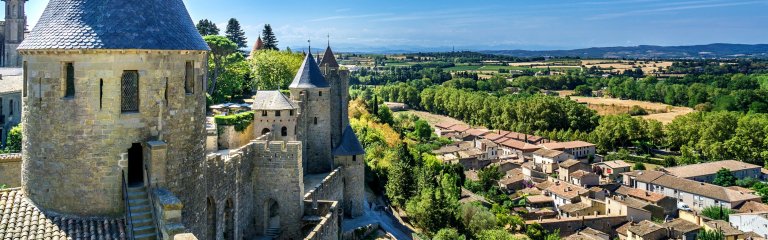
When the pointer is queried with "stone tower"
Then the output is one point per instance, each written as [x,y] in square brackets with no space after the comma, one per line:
[15,25]
[105,92]
[339,82]
[312,93]
[274,114]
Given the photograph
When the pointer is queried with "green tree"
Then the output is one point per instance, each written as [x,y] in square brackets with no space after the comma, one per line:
[422,130]
[206,27]
[582,90]
[535,231]
[489,176]
[448,234]
[637,111]
[710,235]
[432,210]
[236,34]
[274,70]
[638,166]
[724,177]
[385,115]
[232,80]
[495,234]
[400,186]
[13,140]
[268,37]
[717,212]
[221,47]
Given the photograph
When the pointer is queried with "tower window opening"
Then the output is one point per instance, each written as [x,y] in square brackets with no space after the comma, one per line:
[189,78]
[69,73]
[291,113]
[321,93]
[284,131]
[24,88]
[101,93]
[130,91]
[263,113]
[277,113]
[315,120]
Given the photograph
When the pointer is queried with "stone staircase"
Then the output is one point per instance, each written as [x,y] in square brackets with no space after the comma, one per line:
[272,233]
[141,214]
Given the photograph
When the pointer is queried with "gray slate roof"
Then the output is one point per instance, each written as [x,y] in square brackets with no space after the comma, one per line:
[328,58]
[309,75]
[115,24]
[11,84]
[349,144]
[271,100]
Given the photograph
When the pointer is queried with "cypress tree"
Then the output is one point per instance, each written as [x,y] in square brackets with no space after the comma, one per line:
[236,34]
[206,27]
[270,42]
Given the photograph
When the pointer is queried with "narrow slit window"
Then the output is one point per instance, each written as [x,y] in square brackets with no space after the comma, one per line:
[101,93]
[315,120]
[69,70]
[130,92]
[10,108]
[189,78]
[321,93]
[263,113]
[166,92]
[24,88]
[284,131]
[291,113]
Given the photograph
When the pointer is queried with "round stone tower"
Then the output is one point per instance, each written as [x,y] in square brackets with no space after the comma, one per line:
[312,92]
[108,81]
[275,114]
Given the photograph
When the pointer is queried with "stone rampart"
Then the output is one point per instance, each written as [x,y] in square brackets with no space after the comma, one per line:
[10,170]
[331,188]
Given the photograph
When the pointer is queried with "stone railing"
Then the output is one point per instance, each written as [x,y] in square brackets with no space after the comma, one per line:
[325,215]
[10,170]
[328,189]
[168,208]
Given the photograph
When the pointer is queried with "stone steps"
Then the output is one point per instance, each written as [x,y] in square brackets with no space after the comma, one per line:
[141,214]
[273,233]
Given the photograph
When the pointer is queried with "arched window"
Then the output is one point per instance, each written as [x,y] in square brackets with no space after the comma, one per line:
[284,131]
[130,92]
[264,131]
[211,219]
[315,120]
[10,108]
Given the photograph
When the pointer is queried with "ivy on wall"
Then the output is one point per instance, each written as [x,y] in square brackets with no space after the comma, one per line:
[240,120]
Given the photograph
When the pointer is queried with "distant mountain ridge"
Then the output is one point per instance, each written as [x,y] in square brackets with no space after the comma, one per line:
[716,50]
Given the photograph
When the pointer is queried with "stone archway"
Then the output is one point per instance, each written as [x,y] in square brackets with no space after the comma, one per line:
[271,216]
[264,131]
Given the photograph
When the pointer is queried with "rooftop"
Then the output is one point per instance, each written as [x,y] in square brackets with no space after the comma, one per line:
[644,228]
[574,207]
[11,84]
[444,125]
[569,163]
[581,173]
[681,225]
[271,100]
[726,227]
[349,145]
[640,194]
[687,185]
[329,59]
[566,145]
[548,153]
[477,132]
[616,164]
[20,219]
[709,168]
[539,199]
[753,206]
[137,24]
[459,127]
[519,145]
[309,75]
[567,190]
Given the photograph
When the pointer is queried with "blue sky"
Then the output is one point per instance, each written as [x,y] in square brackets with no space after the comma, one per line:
[488,24]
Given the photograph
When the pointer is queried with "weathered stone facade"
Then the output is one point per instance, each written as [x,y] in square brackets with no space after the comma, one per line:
[10,170]
[13,29]
[83,137]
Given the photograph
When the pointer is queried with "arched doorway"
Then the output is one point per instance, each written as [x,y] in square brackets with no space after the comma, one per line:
[229,221]
[264,131]
[135,165]
[211,218]
[271,215]
[284,131]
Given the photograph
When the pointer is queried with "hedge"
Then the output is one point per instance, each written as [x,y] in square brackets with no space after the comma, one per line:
[240,120]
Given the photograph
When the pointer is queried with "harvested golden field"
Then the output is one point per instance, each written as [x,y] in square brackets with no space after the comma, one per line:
[616,66]
[432,119]
[606,106]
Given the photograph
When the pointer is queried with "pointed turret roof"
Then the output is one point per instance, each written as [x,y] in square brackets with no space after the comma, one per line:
[329,59]
[136,24]
[256,47]
[350,145]
[309,75]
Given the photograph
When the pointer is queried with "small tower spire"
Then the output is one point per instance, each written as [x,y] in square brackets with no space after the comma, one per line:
[329,40]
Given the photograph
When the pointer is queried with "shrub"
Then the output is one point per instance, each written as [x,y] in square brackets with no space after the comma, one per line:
[637,111]
[240,120]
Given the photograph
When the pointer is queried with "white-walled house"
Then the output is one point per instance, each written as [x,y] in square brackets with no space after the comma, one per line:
[751,222]
[548,160]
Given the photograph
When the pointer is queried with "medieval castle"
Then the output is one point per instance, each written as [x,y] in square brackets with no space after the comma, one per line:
[12,32]
[116,143]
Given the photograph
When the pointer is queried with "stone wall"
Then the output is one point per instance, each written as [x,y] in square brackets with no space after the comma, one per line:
[314,104]
[229,138]
[274,124]
[353,183]
[331,188]
[277,181]
[81,139]
[324,215]
[568,226]
[10,170]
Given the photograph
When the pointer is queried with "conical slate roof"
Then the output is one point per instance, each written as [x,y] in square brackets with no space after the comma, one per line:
[329,59]
[349,144]
[115,24]
[309,75]
[271,100]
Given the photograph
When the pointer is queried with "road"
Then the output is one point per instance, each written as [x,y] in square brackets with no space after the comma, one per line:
[385,219]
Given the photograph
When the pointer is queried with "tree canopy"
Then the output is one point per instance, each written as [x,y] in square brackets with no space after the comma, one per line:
[206,27]
[221,47]
[236,34]
[725,178]
[268,37]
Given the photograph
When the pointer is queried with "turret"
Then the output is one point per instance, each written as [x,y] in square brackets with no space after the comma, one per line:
[274,113]
[15,26]
[339,81]
[312,92]
[105,91]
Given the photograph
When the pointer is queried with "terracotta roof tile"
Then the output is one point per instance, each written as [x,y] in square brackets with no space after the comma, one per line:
[709,168]
[19,219]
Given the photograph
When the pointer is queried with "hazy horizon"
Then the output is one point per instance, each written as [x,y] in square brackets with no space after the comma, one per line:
[487,25]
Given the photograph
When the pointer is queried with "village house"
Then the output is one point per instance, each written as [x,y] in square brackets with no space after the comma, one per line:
[588,234]
[669,204]
[512,181]
[756,222]
[646,230]
[565,193]
[567,167]
[705,172]
[517,148]
[612,170]
[585,207]
[463,153]
[443,128]
[532,139]
[697,195]
[578,149]
[681,229]
[11,84]
[635,209]
[489,148]
[547,160]
[584,178]
[730,232]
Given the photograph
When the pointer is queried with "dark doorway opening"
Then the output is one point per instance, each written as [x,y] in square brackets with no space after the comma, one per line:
[135,165]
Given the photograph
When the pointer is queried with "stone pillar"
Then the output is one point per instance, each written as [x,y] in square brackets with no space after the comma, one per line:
[156,161]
